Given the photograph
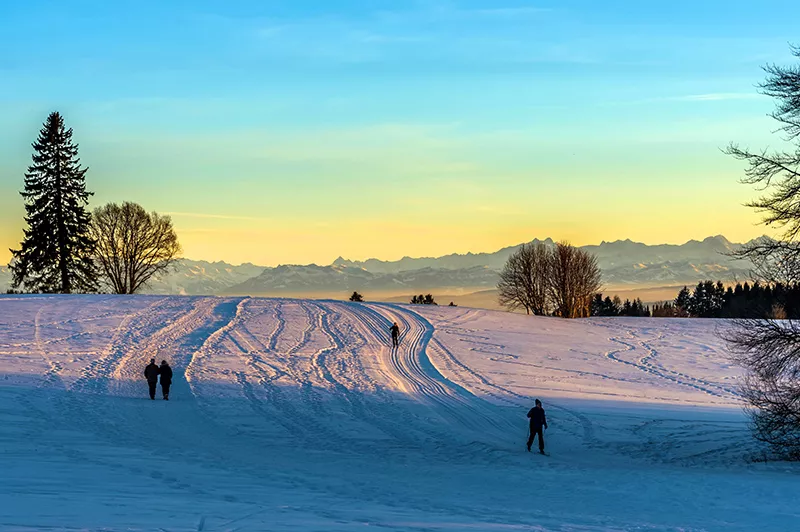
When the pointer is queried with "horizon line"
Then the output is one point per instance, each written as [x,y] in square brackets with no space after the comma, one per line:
[407,257]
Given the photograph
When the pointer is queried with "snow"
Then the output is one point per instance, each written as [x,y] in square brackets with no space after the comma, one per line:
[296,415]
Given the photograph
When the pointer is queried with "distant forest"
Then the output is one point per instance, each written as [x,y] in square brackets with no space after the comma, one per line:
[712,300]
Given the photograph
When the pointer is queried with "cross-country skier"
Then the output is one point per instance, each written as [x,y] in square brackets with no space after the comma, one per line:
[395,334]
[166,378]
[538,420]
[151,374]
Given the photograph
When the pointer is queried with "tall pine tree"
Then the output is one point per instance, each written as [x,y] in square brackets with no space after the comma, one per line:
[55,255]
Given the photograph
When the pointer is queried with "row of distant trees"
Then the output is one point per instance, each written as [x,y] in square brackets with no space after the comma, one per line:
[616,307]
[558,280]
[65,249]
[712,300]
[744,300]
[426,299]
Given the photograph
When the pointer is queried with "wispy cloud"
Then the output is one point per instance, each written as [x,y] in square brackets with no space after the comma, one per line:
[686,98]
[442,31]
[716,96]
[508,11]
[446,11]
[218,216]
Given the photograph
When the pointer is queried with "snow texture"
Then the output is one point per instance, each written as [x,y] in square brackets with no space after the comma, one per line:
[297,415]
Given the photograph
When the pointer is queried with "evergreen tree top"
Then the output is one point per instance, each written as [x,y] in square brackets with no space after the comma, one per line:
[55,255]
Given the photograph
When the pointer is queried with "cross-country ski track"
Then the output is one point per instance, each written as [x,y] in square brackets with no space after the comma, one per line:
[290,414]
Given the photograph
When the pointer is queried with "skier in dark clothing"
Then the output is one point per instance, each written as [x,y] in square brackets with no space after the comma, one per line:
[395,335]
[166,378]
[151,374]
[538,420]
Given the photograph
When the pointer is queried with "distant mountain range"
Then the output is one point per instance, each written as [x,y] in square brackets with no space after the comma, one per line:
[624,264]
[610,255]
[338,278]
[198,277]
[632,263]
[187,277]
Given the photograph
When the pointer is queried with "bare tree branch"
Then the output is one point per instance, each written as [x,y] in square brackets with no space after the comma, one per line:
[524,279]
[541,279]
[132,245]
[770,348]
[575,279]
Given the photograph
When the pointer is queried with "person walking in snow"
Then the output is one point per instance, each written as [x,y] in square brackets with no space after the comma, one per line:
[151,374]
[537,422]
[395,334]
[166,378]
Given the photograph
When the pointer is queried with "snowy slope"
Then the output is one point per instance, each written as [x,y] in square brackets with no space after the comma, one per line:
[296,415]
[5,279]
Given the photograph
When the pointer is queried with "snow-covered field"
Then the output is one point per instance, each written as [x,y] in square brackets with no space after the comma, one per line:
[296,415]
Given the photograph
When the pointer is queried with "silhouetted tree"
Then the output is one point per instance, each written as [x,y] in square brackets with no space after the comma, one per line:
[683,302]
[574,279]
[55,254]
[597,305]
[768,348]
[540,278]
[665,309]
[706,300]
[357,298]
[759,301]
[132,245]
[525,278]
[423,300]
[606,306]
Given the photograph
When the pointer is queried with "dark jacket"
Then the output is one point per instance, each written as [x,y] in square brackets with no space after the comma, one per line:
[166,374]
[151,372]
[537,416]
[395,331]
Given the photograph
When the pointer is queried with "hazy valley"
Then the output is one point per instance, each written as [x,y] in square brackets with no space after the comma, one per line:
[630,269]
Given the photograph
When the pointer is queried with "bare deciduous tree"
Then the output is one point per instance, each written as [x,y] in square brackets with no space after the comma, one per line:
[575,279]
[770,348]
[524,279]
[132,245]
[539,279]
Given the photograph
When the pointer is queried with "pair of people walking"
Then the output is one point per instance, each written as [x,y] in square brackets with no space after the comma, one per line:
[152,373]
[538,422]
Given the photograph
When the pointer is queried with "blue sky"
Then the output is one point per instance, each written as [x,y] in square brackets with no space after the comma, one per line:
[298,131]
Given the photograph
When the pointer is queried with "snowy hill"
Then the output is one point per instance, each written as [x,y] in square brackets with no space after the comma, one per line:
[296,415]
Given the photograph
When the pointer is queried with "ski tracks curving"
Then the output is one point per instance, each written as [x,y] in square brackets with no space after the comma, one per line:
[631,342]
